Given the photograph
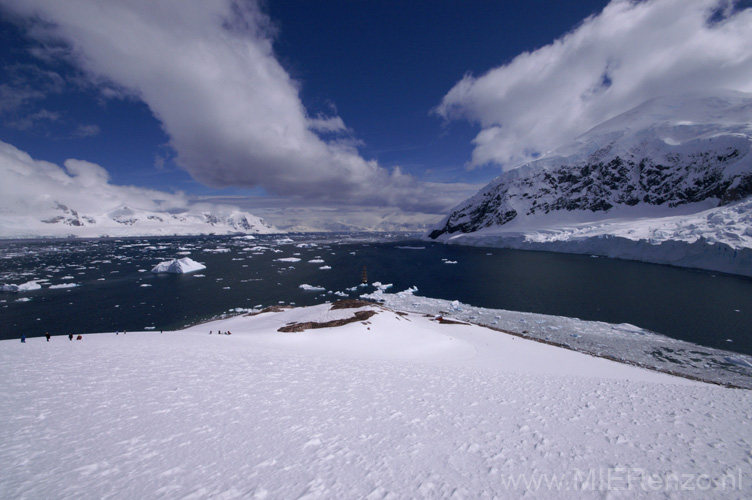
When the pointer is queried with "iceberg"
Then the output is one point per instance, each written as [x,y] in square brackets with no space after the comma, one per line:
[178,266]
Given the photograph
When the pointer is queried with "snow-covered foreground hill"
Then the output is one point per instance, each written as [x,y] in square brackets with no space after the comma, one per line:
[393,406]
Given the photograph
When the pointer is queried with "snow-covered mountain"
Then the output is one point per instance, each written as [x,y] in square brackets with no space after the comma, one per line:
[324,226]
[64,221]
[669,181]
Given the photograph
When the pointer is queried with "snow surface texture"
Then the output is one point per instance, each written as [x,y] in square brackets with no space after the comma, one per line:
[399,406]
[624,342]
[667,182]
[178,266]
[62,221]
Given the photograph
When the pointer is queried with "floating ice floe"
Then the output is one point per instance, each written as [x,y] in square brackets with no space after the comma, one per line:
[63,285]
[324,268]
[24,287]
[288,259]
[310,288]
[381,286]
[178,266]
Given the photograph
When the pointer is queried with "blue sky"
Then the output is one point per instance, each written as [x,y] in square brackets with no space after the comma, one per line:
[388,105]
[387,64]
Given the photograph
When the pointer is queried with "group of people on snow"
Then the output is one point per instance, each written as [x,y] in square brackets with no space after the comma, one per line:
[48,336]
[80,337]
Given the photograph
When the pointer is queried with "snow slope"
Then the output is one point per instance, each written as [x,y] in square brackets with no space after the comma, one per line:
[669,181]
[623,342]
[397,406]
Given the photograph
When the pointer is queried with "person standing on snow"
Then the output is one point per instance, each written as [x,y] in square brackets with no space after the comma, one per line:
[47,334]
[23,338]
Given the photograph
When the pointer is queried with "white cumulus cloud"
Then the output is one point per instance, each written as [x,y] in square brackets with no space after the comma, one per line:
[32,187]
[631,52]
[208,72]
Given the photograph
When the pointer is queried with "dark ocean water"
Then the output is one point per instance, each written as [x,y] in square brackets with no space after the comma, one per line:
[116,290]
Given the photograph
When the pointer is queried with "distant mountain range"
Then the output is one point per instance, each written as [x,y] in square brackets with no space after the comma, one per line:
[669,181]
[63,221]
[366,226]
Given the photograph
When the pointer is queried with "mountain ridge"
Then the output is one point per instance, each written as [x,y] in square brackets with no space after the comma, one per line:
[63,221]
